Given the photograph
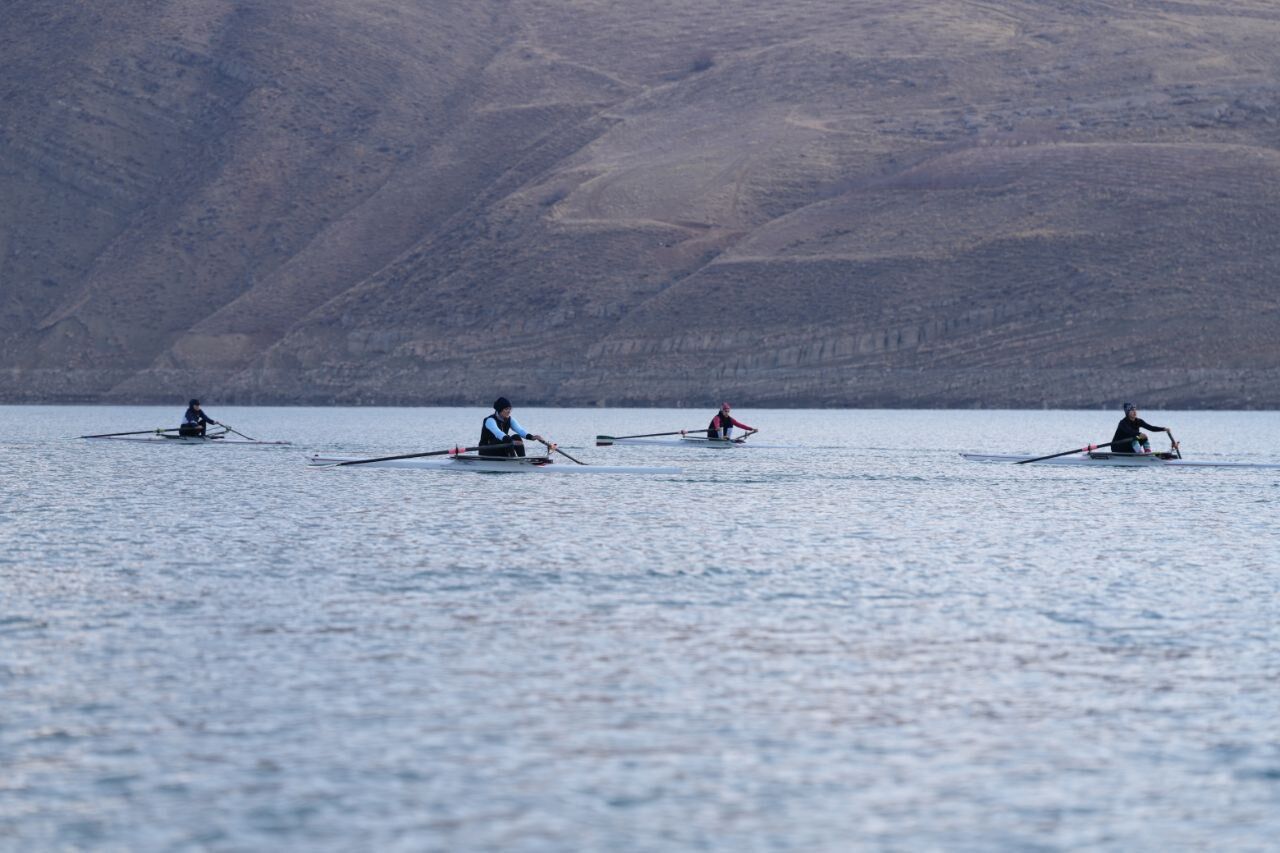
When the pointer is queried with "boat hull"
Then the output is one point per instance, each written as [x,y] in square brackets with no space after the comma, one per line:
[474,464]
[1116,460]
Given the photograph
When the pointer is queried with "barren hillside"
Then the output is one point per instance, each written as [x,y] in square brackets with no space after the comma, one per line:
[907,202]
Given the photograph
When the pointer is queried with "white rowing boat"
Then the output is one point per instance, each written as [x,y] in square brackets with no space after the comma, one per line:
[690,441]
[169,437]
[1117,460]
[489,465]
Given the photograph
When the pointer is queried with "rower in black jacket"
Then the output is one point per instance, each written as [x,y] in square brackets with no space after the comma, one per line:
[195,421]
[502,435]
[1129,437]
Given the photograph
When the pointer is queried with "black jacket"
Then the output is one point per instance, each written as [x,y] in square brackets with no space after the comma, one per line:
[194,417]
[1128,430]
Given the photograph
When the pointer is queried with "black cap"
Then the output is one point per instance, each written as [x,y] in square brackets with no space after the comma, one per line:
[193,403]
[501,403]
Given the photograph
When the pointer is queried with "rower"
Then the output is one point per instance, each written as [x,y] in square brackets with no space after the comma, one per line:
[195,421]
[498,428]
[1130,435]
[721,426]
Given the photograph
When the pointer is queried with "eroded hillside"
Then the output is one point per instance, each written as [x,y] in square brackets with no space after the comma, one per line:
[902,203]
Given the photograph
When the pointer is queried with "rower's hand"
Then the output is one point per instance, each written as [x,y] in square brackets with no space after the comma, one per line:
[683,432]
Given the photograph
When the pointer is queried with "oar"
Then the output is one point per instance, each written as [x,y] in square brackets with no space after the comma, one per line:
[1084,449]
[450,451]
[561,452]
[138,432]
[745,437]
[1177,451]
[606,440]
[230,428]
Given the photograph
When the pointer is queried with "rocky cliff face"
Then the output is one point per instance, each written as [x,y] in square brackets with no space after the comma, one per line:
[917,202]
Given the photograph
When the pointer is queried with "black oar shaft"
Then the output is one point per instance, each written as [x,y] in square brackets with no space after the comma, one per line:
[451,450]
[551,446]
[645,435]
[1085,449]
[135,432]
[229,428]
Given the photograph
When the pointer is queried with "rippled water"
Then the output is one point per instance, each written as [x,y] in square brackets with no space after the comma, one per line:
[870,644]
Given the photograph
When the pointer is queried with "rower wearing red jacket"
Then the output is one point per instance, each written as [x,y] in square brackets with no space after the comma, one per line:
[722,425]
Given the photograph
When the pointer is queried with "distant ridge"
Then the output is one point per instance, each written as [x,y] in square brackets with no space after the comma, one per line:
[1007,204]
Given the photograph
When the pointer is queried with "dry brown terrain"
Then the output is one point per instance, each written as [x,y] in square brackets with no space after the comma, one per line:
[890,202]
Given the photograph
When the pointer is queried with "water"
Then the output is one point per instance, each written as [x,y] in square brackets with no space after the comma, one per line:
[868,645]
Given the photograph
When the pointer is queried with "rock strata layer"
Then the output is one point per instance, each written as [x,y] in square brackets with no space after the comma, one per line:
[909,203]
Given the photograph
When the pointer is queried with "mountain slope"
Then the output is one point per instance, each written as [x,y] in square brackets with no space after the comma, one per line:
[907,203]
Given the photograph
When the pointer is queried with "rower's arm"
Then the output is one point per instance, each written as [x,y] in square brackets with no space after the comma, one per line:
[492,426]
[519,430]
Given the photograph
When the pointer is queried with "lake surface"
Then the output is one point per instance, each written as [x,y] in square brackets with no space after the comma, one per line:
[868,644]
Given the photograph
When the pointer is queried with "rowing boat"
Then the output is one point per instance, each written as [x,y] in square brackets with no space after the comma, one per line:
[166,437]
[690,441]
[490,464]
[193,439]
[1117,460]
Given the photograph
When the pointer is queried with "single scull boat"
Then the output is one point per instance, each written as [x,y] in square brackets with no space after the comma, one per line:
[1116,460]
[491,464]
[170,437]
[689,441]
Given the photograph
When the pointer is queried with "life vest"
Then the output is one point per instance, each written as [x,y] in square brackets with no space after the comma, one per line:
[487,438]
[713,429]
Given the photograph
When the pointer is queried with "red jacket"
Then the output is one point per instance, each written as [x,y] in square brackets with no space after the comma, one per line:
[723,421]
